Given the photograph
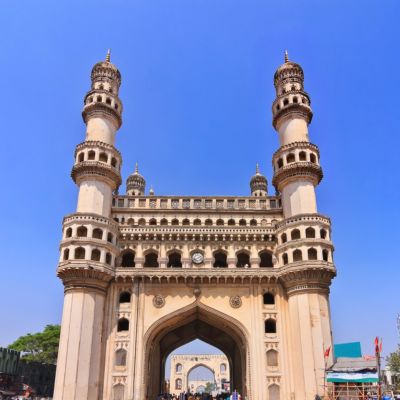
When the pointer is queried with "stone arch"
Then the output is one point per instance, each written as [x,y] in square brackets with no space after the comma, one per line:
[220,259]
[151,258]
[200,364]
[198,321]
[174,259]
[243,259]
[274,392]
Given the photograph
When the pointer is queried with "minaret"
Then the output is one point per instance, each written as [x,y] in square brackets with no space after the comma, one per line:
[304,248]
[135,184]
[258,184]
[89,244]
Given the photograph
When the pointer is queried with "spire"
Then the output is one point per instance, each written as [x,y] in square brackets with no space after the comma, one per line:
[151,192]
[286,56]
[257,169]
[108,56]
[136,168]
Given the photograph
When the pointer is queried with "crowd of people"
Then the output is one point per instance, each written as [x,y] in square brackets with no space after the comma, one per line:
[200,396]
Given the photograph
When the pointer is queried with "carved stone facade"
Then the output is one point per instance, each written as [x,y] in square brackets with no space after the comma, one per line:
[145,274]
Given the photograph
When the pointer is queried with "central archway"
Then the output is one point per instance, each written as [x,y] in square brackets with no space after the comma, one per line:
[196,321]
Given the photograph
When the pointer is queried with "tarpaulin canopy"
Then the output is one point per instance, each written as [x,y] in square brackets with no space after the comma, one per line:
[352,377]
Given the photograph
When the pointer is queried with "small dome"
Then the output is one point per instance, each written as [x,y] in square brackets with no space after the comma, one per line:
[258,182]
[135,184]
[288,69]
[105,69]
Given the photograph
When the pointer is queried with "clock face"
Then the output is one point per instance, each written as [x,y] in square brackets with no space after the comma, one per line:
[197,258]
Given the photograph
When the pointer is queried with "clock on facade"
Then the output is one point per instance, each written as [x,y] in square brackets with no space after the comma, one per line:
[197,258]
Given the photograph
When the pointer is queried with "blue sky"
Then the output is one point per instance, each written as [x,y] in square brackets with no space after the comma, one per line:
[197,92]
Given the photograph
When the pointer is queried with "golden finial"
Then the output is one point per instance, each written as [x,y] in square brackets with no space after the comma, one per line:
[108,56]
[136,168]
[286,56]
[257,169]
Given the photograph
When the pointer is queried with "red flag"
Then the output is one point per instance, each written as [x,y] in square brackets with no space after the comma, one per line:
[327,351]
[380,347]
[376,345]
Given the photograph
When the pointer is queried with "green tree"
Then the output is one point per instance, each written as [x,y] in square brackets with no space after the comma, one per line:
[209,387]
[41,346]
[393,362]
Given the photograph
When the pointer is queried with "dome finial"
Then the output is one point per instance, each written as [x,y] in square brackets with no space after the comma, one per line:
[136,168]
[257,169]
[286,56]
[108,56]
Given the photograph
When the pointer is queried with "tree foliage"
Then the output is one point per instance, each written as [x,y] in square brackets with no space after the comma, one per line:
[41,346]
[393,361]
[209,387]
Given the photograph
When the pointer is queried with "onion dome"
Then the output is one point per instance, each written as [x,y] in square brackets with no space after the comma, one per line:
[105,70]
[258,184]
[289,70]
[135,184]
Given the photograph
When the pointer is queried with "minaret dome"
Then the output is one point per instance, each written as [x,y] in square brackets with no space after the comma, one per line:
[135,184]
[258,184]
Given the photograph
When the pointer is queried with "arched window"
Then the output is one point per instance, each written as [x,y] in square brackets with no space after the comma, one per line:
[231,222]
[128,259]
[97,233]
[130,221]
[312,158]
[220,260]
[295,234]
[312,254]
[266,259]
[81,231]
[295,99]
[285,259]
[68,233]
[242,222]
[243,260]
[175,222]
[270,326]
[220,222]
[178,368]
[151,260]
[268,298]
[285,102]
[81,157]
[174,260]
[118,392]
[283,238]
[153,221]
[91,155]
[253,222]
[310,233]
[101,87]
[274,392]
[163,222]
[322,233]
[142,222]
[123,325]
[185,222]
[290,158]
[302,156]
[95,255]
[79,253]
[109,237]
[125,297]
[272,358]
[196,222]
[108,101]
[66,254]
[325,255]
[120,357]
[103,157]
[178,384]
[113,162]
[222,368]
[99,99]
[108,258]
[297,255]
[208,222]
[280,163]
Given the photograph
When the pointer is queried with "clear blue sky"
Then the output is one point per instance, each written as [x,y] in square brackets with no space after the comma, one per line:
[197,92]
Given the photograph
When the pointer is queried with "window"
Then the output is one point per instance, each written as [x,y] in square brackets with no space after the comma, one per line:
[220,260]
[125,297]
[208,222]
[322,232]
[81,231]
[222,368]
[178,384]
[79,253]
[66,254]
[103,157]
[97,233]
[108,101]
[290,158]
[108,258]
[114,162]
[91,155]
[175,222]
[297,255]
[312,158]
[120,357]
[153,221]
[95,255]
[270,326]
[99,99]
[128,259]
[109,237]
[312,254]
[178,368]
[274,392]
[295,234]
[266,260]
[174,260]
[272,358]
[142,222]
[285,259]
[118,392]
[268,298]
[253,222]
[123,325]
[310,233]
[242,222]
[243,260]
[196,222]
[302,156]
[81,157]
[231,222]
[68,233]
[280,163]
[325,255]
[163,222]
[220,222]
[101,87]
[185,222]
[151,260]
[283,238]
[295,100]
[285,102]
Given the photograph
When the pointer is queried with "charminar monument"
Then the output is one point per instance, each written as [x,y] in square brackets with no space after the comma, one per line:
[144,274]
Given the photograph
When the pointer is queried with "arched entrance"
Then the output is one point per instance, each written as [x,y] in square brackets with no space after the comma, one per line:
[195,321]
